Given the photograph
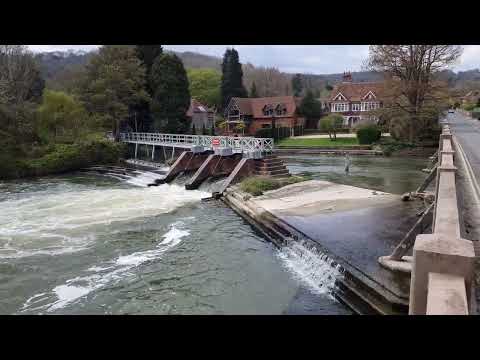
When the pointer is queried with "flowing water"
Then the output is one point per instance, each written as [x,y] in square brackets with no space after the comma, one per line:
[107,244]
[396,175]
[103,242]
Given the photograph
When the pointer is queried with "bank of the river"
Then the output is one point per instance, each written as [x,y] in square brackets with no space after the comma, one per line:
[59,158]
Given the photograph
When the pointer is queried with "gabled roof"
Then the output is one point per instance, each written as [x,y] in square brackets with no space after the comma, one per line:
[197,107]
[357,91]
[254,106]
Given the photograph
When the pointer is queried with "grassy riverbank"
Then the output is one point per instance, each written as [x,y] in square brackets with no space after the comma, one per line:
[318,142]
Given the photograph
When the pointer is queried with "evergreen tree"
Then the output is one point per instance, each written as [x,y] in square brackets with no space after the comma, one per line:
[317,93]
[232,77]
[171,98]
[147,55]
[310,108]
[297,85]
[253,91]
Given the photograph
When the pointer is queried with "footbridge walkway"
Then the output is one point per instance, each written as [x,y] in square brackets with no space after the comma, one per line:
[200,143]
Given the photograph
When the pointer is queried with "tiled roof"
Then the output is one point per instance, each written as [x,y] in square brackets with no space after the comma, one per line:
[357,91]
[197,107]
[254,106]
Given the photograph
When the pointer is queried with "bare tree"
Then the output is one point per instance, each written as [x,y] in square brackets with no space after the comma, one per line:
[411,72]
[18,74]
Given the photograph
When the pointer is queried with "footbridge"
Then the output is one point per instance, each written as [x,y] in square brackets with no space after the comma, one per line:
[204,156]
[200,143]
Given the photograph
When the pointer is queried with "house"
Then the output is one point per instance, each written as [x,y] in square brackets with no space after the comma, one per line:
[471,97]
[355,101]
[248,115]
[201,116]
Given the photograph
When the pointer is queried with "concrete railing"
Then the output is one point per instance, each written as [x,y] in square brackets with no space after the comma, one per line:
[443,262]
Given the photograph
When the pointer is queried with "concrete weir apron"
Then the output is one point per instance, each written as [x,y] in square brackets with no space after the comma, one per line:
[357,225]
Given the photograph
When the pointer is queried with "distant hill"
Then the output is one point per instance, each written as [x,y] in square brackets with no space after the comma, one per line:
[58,62]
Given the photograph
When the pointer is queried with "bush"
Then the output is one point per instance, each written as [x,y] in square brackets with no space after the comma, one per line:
[62,158]
[368,134]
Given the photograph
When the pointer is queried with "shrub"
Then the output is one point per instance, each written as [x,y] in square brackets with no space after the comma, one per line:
[368,134]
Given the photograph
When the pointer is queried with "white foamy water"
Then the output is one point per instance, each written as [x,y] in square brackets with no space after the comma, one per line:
[78,287]
[55,223]
[311,267]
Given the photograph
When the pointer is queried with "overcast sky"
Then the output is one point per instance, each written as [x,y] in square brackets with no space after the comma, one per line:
[314,59]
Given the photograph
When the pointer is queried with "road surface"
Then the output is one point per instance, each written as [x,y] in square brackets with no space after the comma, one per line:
[467,132]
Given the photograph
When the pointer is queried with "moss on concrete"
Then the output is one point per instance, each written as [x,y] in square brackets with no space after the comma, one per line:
[257,185]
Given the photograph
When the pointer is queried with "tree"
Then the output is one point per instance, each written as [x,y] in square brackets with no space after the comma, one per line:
[114,82]
[330,124]
[204,130]
[253,91]
[310,108]
[20,79]
[412,72]
[297,85]
[194,131]
[171,98]
[232,77]
[61,115]
[205,86]
[147,55]
[269,81]
[212,130]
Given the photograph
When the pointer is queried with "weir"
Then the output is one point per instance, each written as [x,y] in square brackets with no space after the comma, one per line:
[208,156]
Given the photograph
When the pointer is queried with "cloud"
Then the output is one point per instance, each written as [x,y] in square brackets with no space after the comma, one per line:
[313,59]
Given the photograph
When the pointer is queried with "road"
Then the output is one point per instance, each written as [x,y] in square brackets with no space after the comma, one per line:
[467,132]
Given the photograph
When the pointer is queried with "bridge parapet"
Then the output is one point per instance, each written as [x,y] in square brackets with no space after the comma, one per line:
[443,262]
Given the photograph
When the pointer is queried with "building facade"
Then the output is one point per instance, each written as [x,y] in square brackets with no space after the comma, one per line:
[245,116]
[356,101]
[201,117]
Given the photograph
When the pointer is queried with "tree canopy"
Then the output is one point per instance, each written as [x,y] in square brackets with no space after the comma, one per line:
[415,91]
[310,107]
[232,77]
[253,91]
[171,98]
[330,124]
[114,82]
[205,86]
[297,85]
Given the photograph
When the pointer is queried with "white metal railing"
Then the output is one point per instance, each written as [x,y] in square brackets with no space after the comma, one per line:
[237,144]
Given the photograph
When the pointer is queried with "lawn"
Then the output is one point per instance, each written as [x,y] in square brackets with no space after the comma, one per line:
[318,142]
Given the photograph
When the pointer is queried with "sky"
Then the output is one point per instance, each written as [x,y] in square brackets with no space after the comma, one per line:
[313,59]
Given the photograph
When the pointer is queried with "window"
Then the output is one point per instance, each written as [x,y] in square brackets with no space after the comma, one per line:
[356,107]
[367,106]
[339,107]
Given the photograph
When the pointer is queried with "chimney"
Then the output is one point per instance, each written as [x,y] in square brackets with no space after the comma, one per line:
[347,77]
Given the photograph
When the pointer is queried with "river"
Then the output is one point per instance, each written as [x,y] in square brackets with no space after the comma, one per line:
[90,244]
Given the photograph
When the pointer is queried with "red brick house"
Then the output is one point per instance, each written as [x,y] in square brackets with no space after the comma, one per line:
[258,113]
[355,101]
